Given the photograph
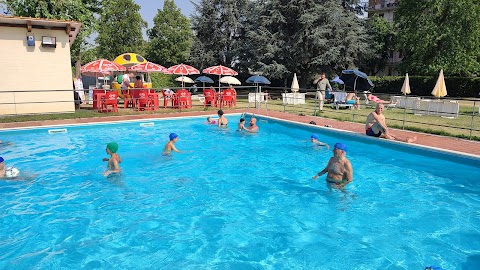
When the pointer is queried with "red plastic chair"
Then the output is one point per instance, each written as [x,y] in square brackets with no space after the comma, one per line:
[110,100]
[143,101]
[127,99]
[183,99]
[228,98]
[210,97]
[166,98]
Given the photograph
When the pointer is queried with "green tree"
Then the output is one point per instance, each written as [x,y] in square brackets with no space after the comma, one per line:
[219,32]
[382,42]
[436,34]
[170,37]
[120,29]
[82,11]
[89,54]
[306,37]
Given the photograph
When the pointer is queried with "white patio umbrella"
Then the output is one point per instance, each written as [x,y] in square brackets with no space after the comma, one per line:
[440,89]
[295,86]
[184,79]
[230,80]
[406,86]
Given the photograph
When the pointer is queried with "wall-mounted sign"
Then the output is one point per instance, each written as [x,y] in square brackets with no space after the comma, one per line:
[30,40]
[49,42]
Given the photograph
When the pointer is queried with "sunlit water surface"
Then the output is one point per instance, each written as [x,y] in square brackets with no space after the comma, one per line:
[232,201]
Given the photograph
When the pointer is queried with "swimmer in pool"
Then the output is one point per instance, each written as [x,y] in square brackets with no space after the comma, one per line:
[222,120]
[114,159]
[169,147]
[315,140]
[210,121]
[339,169]
[252,128]
[8,172]
[241,124]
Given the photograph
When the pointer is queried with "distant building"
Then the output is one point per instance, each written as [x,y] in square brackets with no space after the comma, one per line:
[386,9]
[35,60]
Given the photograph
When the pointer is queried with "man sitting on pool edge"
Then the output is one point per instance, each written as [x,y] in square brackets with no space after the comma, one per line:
[339,168]
[376,126]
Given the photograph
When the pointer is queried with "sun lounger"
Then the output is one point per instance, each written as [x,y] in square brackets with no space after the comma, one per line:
[339,100]
[443,108]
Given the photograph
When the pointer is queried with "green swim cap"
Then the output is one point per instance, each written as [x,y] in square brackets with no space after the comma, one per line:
[113,147]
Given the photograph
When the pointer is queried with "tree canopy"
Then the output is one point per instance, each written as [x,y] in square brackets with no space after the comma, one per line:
[439,34]
[219,31]
[382,42]
[307,37]
[170,37]
[120,29]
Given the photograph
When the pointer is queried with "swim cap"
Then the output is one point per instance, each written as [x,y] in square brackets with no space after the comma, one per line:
[1,159]
[220,112]
[315,136]
[341,146]
[112,147]
[173,136]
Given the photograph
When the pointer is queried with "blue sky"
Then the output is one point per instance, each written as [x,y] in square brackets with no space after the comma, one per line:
[149,8]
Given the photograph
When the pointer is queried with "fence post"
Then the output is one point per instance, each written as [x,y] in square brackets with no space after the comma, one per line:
[471,121]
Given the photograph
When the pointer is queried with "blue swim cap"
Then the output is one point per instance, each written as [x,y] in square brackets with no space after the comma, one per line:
[1,159]
[315,136]
[341,146]
[173,136]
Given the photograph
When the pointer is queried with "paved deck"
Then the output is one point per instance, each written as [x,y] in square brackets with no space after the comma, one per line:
[471,148]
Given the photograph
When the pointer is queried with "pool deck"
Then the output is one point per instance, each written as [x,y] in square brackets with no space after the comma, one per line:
[471,148]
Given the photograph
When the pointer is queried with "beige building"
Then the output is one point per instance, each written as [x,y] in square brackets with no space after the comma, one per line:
[35,65]
[386,9]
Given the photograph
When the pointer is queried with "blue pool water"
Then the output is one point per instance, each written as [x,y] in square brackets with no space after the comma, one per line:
[233,201]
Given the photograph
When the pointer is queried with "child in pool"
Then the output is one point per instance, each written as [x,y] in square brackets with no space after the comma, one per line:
[210,121]
[8,172]
[114,159]
[169,147]
[241,124]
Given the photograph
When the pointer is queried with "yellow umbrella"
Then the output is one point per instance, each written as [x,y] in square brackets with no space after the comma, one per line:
[440,89]
[129,59]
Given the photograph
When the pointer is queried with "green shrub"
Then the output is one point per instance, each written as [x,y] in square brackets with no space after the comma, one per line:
[160,80]
[423,85]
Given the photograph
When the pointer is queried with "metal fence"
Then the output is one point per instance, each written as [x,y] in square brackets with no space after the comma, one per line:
[458,117]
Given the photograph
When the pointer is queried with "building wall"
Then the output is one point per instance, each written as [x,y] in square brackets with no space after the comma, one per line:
[36,69]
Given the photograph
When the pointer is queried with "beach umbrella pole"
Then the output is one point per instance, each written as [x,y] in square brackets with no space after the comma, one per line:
[404,111]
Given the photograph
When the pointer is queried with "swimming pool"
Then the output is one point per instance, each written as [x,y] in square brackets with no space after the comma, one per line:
[233,201]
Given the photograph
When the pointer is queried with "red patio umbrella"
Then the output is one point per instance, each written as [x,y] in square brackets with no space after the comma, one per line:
[148,67]
[182,69]
[102,66]
[220,70]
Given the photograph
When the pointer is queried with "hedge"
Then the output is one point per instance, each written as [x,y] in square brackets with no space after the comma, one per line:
[423,85]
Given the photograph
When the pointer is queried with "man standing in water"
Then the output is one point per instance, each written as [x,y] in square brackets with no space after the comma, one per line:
[252,128]
[339,168]
[376,126]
